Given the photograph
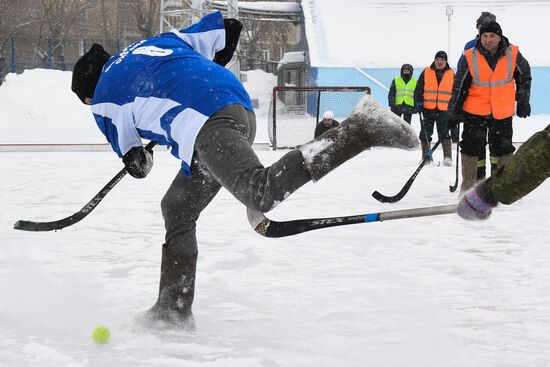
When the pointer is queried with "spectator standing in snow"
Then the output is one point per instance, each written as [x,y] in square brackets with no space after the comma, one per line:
[483,19]
[432,95]
[173,89]
[401,93]
[328,122]
[490,78]
[525,171]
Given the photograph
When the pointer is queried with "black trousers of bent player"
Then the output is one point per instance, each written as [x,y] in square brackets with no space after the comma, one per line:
[224,157]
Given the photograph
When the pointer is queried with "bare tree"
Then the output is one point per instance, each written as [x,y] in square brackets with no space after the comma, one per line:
[147,13]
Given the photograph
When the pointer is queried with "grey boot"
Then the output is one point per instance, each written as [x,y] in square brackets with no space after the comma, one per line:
[447,155]
[369,125]
[469,172]
[176,290]
[425,149]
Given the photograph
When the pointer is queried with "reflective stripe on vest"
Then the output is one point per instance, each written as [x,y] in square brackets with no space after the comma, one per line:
[492,92]
[404,92]
[437,95]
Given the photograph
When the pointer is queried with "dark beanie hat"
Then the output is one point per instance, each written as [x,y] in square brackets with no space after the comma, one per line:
[87,70]
[485,18]
[441,54]
[492,27]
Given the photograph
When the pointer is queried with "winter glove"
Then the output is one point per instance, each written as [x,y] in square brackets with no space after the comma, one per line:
[523,109]
[418,107]
[138,162]
[474,205]
[452,120]
[232,32]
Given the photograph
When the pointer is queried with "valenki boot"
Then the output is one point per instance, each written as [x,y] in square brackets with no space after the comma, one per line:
[425,149]
[176,292]
[447,155]
[469,172]
[369,125]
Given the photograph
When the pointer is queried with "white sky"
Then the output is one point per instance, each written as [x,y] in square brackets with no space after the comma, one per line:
[426,292]
[372,33]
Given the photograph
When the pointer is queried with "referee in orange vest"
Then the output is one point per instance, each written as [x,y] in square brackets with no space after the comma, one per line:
[490,79]
[431,96]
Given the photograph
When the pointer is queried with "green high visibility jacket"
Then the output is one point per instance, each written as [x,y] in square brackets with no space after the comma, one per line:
[404,92]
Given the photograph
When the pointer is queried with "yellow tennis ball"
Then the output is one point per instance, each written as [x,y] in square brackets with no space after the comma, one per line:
[101,335]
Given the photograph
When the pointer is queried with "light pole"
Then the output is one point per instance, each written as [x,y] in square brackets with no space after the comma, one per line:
[449,12]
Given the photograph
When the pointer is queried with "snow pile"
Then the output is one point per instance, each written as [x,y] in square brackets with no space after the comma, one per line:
[41,101]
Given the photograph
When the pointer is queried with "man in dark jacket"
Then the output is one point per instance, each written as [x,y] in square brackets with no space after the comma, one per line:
[485,18]
[432,95]
[328,122]
[401,94]
[492,60]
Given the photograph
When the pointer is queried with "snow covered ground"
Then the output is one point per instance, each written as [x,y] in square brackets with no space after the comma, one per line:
[430,292]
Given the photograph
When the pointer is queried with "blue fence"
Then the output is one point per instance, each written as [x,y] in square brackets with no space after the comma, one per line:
[345,76]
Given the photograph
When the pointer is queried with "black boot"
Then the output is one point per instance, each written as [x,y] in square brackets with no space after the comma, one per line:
[176,291]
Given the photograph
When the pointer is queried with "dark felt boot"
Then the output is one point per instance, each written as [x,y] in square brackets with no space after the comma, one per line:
[176,291]
[369,125]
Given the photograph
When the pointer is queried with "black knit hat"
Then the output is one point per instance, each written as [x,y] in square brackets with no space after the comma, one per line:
[441,54]
[492,27]
[485,18]
[87,70]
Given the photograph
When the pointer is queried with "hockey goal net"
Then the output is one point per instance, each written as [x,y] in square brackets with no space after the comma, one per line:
[295,111]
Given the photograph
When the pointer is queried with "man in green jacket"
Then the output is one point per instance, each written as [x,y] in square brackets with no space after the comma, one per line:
[401,94]
[523,173]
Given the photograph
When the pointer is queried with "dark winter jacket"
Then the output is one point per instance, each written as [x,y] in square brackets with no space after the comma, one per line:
[419,91]
[321,128]
[463,78]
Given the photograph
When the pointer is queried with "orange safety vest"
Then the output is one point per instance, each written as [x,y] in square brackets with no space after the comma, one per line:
[437,95]
[492,91]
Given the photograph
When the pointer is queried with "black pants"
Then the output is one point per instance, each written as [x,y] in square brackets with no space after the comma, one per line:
[478,130]
[431,118]
[404,111]
[223,157]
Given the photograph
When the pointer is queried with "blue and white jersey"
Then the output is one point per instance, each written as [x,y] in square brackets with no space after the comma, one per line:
[164,88]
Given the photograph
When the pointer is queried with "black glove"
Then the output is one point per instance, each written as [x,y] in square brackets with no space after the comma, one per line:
[452,123]
[232,32]
[452,120]
[523,109]
[418,107]
[138,162]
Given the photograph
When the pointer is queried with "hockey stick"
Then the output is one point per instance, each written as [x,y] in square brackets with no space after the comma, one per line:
[393,199]
[452,188]
[270,228]
[26,225]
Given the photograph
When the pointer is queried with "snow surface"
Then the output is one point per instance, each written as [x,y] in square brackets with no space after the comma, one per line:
[391,33]
[430,292]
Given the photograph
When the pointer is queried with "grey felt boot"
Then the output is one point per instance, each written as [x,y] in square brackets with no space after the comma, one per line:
[369,125]
[469,172]
[176,291]
[447,152]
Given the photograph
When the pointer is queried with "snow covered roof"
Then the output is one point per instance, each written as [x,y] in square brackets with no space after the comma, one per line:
[292,57]
[381,34]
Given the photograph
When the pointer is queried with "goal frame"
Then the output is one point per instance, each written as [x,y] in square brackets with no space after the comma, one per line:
[277,89]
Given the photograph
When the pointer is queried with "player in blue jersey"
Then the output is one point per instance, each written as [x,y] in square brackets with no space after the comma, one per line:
[173,89]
